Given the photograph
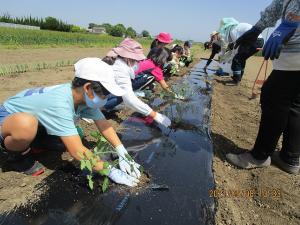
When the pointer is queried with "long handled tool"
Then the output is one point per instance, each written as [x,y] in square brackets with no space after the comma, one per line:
[258,83]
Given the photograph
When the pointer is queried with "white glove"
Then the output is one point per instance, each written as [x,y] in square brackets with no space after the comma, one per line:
[120,177]
[127,165]
[180,97]
[162,119]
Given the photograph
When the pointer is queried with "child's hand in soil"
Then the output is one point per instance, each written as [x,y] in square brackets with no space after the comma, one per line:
[126,163]
[121,177]
[162,119]
[179,97]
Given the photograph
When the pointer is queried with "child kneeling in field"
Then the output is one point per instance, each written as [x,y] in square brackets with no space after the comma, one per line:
[151,70]
[56,108]
[186,58]
[173,66]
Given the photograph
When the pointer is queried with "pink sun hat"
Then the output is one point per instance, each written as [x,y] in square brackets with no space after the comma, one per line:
[164,37]
[128,48]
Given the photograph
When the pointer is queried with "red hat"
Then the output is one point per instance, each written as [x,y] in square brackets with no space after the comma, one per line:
[164,37]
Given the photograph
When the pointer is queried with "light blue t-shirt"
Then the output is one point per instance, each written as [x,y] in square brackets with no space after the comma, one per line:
[53,107]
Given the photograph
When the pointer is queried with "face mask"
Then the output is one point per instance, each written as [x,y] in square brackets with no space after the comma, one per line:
[96,103]
[132,70]
[135,67]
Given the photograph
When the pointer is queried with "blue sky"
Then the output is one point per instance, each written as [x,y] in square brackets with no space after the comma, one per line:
[187,19]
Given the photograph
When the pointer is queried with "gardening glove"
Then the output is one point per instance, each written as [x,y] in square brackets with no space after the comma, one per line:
[278,38]
[120,177]
[162,119]
[181,64]
[179,97]
[248,38]
[126,163]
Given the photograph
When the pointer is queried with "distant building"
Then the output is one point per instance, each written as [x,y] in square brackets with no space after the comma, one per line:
[18,26]
[97,30]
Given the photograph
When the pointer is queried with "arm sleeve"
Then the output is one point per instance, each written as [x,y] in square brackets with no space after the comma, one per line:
[158,74]
[130,98]
[270,15]
[94,114]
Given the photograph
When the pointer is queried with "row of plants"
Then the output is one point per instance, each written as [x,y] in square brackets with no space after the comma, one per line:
[22,68]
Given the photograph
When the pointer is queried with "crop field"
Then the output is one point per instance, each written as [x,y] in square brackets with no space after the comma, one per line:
[14,38]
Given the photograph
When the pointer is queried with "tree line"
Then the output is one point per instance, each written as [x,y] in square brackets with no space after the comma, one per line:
[119,30]
[51,23]
[48,23]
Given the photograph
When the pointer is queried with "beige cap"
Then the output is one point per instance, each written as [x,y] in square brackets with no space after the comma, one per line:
[214,33]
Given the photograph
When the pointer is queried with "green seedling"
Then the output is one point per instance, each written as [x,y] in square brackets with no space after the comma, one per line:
[90,160]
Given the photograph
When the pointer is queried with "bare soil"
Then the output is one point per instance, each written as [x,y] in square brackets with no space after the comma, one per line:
[235,120]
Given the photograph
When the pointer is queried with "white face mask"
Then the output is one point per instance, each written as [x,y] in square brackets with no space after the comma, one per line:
[132,70]
[96,102]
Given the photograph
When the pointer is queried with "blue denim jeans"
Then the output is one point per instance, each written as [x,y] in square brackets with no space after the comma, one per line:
[113,101]
[141,80]
[239,60]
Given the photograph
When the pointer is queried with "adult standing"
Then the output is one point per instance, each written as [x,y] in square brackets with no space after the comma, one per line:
[280,97]
[230,30]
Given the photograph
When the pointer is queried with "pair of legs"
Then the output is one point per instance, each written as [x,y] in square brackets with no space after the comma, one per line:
[239,60]
[19,132]
[139,83]
[280,104]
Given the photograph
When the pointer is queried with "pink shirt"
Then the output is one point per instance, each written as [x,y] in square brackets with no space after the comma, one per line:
[148,64]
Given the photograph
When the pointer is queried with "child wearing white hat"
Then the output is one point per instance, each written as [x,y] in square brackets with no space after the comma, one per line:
[56,108]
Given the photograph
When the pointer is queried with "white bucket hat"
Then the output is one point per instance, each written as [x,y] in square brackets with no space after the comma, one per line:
[94,69]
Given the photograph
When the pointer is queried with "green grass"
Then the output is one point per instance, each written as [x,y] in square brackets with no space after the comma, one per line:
[20,38]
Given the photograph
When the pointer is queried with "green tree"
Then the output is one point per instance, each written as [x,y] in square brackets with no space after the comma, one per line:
[107,27]
[6,18]
[130,32]
[50,23]
[145,33]
[75,28]
[118,30]
[91,25]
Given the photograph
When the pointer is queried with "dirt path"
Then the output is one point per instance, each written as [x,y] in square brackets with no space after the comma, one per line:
[235,121]
[18,56]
